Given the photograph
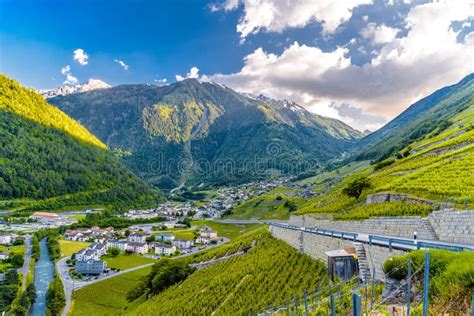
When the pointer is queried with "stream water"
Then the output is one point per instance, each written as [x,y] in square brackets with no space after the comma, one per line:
[44,274]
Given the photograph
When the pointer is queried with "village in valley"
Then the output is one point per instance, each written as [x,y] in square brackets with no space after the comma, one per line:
[112,243]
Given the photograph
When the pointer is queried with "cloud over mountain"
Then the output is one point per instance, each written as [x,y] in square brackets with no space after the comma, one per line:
[430,54]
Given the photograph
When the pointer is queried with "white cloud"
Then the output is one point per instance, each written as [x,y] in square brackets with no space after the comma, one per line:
[278,15]
[65,70]
[401,72]
[193,73]
[70,79]
[379,34]
[80,56]
[121,63]
[161,81]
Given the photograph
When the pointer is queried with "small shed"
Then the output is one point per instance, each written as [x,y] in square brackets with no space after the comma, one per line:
[342,264]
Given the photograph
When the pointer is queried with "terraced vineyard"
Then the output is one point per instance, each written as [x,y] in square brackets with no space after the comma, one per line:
[269,273]
[437,167]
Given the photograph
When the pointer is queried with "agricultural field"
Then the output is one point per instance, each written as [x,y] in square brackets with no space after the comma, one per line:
[126,261]
[274,205]
[69,247]
[269,273]
[230,231]
[91,300]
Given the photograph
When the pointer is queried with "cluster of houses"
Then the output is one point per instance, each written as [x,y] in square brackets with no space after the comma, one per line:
[88,260]
[225,199]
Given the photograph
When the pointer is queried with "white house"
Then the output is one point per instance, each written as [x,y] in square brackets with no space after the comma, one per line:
[183,243]
[87,254]
[164,237]
[165,249]
[120,244]
[100,248]
[137,238]
[137,247]
[5,239]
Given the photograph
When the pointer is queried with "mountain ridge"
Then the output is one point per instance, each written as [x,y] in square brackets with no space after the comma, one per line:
[143,121]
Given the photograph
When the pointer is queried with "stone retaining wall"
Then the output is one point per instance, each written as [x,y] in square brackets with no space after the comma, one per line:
[390,226]
[453,226]
[316,245]
[396,197]
[449,225]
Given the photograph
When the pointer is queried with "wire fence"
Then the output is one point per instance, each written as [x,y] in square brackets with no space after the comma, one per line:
[346,298]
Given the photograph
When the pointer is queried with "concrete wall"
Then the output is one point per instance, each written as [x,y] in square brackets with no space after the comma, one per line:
[391,226]
[316,245]
[454,226]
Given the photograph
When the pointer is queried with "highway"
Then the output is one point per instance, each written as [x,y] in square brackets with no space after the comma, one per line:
[26,264]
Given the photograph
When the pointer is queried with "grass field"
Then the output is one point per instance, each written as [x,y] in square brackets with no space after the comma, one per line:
[106,297]
[124,261]
[69,247]
[230,231]
[266,206]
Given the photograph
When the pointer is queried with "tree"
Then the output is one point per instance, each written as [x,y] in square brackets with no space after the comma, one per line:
[16,260]
[113,252]
[18,242]
[11,277]
[31,292]
[186,221]
[355,188]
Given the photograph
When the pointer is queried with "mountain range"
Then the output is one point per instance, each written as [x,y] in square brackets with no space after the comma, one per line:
[203,133]
[111,143]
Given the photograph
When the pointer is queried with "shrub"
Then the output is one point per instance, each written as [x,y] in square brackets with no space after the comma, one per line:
[383,164]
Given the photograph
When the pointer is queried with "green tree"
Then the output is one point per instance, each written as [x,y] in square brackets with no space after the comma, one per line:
[113,252]
[16,260]
[355,188]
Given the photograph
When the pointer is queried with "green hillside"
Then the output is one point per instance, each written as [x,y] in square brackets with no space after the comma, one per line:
[268,274]
[193,132]
[429,114]
[438,166]
[53,160]
[28,104]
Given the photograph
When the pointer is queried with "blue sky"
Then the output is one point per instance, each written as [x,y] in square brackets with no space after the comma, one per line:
[361,61]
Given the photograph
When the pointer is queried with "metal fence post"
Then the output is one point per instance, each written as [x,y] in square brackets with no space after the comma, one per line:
[333,305]
[306,302]
[426,284]
[409,287]
[356,304]
[372,290]
[472,303]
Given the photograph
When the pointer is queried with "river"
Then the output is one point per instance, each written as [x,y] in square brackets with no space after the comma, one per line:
[44,274]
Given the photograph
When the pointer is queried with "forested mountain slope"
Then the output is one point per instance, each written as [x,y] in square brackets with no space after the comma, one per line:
[424,116]
[44,154]
[193,132]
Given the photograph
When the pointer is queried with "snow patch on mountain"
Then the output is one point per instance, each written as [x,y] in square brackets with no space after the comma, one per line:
[89,85]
